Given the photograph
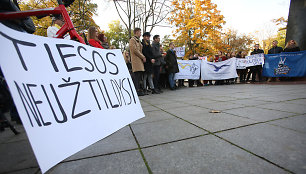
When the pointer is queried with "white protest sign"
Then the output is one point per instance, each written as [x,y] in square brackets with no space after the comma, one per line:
[68,95]
[188,69]
[180,51]
[219,70]
[256,59]
[240,63]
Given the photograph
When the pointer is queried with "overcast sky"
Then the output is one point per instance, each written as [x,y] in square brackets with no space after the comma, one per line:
[246,16]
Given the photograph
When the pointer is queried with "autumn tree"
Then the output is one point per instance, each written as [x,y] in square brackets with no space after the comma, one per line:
[80,12]
[117,35]
[234,42]
[198,25]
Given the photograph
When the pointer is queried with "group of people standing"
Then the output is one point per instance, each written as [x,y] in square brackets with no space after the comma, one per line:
[150,66]
[147,61]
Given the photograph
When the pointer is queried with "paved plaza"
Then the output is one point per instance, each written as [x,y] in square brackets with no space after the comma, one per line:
[261,129]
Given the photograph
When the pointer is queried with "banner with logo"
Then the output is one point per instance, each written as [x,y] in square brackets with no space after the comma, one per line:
[219,70]
[68,95]
[189,69]
[240,63]
[256,59]
[180,51]
[285,64]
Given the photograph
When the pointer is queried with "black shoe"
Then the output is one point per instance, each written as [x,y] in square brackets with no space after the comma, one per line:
[160,91]
[145,92]
[155,91]
[140,93]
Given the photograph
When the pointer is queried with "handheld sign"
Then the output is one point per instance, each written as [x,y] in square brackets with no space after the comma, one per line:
[68,95]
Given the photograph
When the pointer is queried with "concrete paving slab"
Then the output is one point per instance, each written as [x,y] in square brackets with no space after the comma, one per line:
[123,163]
[171,105]
[217,121]
[16,156]
[258,114]
[298,101]
[154,116]
[149,108]
[250,102]
[282,146]
[286,107]
[206,154]
[190,110]
[199,101]
[8,136]
[222,105]
[26,171]
[295,123]
[149,134]
[119,141]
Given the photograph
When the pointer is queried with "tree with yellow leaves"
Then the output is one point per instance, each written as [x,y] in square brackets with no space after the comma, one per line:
[198,25]
[80,12]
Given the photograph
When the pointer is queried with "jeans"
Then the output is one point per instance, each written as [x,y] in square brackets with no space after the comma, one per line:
[150,79]
[156,72]
[171,80]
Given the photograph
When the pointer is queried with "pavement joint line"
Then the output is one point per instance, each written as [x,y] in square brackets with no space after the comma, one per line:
[9,142]
[175,141]
[152,121]
[278,110]
[267,120]
[96,156]
[211,133]
[139,149]
[18,170]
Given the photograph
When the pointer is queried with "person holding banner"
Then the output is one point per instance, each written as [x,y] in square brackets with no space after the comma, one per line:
[137,59]
[255,69]
[275,49]
[171,65]
[292,46]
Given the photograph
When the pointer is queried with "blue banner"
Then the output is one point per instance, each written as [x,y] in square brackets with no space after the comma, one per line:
[291,64]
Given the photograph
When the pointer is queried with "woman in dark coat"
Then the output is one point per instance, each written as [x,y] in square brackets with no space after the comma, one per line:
[292,46]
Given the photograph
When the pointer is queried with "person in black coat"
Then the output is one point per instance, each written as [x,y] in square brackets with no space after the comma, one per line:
[148,65]
[158,62]
[255,69]
[292,46]
[171,65]
[275,49]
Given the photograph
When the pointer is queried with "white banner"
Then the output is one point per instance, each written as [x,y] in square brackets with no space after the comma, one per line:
[180,51]
[240,63]
[256,59]
[68,95]
[218,70]
[189,69]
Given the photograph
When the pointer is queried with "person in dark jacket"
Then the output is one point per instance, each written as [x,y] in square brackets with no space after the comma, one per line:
[148,65]
[292,46]
[157,55]
[275,49]
[171,65]
[255,69]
